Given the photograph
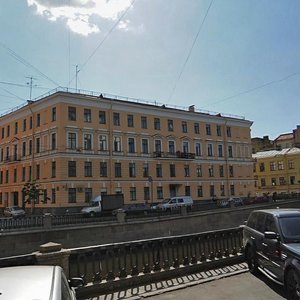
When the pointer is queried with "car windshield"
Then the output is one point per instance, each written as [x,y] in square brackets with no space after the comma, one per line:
[290,227]
[166,200]
[94,203]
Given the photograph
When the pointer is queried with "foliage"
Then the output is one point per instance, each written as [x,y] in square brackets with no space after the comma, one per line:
[31,192]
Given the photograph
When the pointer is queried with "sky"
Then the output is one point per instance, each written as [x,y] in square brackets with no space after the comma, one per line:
[236,57]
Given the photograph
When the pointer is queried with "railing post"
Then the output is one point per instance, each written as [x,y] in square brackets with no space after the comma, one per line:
[52,254]
[47,221]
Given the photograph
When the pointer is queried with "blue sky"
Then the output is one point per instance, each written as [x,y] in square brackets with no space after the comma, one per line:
[245,60]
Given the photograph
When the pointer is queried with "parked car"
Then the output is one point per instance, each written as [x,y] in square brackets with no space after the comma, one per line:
[176,202]
[14,212]
[271,240]
[37,282]
[236,201]
[223,203]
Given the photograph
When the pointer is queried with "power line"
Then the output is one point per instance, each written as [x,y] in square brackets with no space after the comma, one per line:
[104,39]
[256,88]
[190,51]
[15,96]
[23,85]
[26,63]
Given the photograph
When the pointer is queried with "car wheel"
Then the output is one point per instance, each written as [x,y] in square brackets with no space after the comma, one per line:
[251,260]
[292,285]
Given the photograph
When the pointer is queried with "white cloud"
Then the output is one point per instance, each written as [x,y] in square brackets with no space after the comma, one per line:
[79,15]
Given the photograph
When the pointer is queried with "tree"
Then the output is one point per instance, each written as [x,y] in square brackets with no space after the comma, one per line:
[31,192]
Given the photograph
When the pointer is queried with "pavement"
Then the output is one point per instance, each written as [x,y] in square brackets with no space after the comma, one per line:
[228,283]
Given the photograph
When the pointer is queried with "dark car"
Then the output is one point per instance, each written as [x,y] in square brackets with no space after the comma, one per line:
[271,240]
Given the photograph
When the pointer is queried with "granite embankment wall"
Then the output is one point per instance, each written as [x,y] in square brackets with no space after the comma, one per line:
[23,242]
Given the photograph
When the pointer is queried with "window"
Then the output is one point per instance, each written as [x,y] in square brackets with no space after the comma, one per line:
[16,127]
[72,140]
[291,164]
[53,114]
[220,150]
[1,177]
[232,191]
[132,193]
[196,128]
[118,170]
[230,153]
[1,200]
[156,123]
[186,171]
[159,192]
[170,125]
[199,191]
[219,130]
[292,180]
[184,126]
[53,141]
[30,174]
[23,173]
[146,193]
[280,165]
[209,150]
[103,169]
[231,171]
[72,195]
[24,124]
[145,170]
[221,171]
[38,120]
[87,141]
[88,194]
[222,190]
[281,181]
[208,129]
[102,117]
[6,176]
[117,144]
[72,168]
[88,172]
[172,170]
[38,145]
[72,113]
[53,195]
[159,170]
[187,190]
[145,146]
[87,115]
[272,166]
[199,171]
[262,167]
[1,154]
[30,123]
[131,145]
[211,171]
[228,131]
[53,169]
[273,181]
[116,118]
[185,147]
[132,170]
[198,149]
[263,182]
[144,122]
[158,148]
[103,143]
[15,175]
[212,191]
[171,147]
[8,131]
[38,172]
[130,122]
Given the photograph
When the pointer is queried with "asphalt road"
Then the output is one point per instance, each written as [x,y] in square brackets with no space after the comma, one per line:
[244,286]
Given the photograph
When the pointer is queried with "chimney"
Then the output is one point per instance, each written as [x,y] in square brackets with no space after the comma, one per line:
[192,108]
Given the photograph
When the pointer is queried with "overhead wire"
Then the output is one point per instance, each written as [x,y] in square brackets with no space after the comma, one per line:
[104,38]
[190,51]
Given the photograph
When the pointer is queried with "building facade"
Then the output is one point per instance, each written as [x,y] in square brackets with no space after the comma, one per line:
[77,146]
[277,171]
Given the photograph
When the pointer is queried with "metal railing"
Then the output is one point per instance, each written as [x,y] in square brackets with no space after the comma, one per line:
[21,223]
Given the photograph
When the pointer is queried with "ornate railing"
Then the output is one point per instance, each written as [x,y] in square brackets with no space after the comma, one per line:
[21,223]
[106,267]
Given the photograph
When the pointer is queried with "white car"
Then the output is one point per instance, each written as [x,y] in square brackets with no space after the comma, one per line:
[14,212]
[36,282]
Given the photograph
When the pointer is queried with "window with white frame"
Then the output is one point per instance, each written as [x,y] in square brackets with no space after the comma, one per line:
[185,147]
[198,149]
[145,146]
[72,140]
[103,142]
[230,151]
[209,150]
[158,147]
[171,147]
[220,150]
[117,144]
[131,145]
[87,141]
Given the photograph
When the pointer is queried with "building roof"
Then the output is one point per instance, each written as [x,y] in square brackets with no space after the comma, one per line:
[275,153]
[284,137]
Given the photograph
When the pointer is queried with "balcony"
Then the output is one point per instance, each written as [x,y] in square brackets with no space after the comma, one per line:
[12,158]
[177,154]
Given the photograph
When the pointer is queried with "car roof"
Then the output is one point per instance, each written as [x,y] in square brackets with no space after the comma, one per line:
[281,212]
[27,282]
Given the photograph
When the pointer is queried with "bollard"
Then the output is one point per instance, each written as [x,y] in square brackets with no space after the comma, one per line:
[52,254]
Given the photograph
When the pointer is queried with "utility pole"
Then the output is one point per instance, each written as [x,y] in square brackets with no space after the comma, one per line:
[30,83]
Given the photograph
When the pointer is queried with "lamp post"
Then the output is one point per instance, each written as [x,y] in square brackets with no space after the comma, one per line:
[150,179]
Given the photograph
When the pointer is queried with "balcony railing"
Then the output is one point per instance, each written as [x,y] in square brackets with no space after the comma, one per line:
[177,154]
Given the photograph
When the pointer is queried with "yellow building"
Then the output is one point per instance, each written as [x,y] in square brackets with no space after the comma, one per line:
[277,171]
[77,146]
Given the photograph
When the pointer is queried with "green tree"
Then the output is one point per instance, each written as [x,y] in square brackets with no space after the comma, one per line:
[31,191]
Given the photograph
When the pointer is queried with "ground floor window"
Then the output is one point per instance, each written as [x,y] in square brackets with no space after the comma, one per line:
[200,191]
[159,192]
[146,193]
[232,192]
[133,193]
[88,193]
[72,195]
